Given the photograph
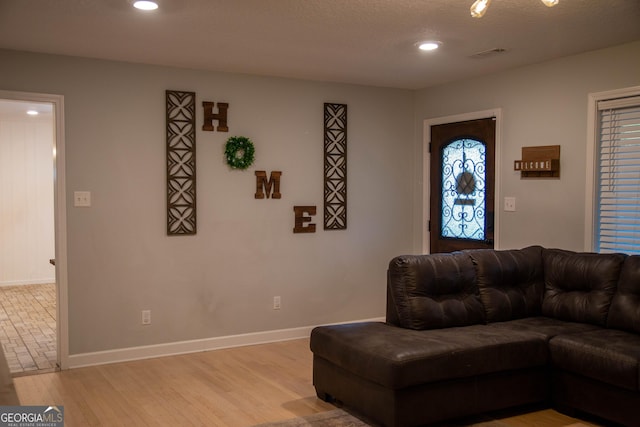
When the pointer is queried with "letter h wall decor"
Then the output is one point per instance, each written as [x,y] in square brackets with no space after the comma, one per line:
[335,166]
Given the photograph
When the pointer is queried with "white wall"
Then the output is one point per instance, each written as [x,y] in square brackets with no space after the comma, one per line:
[26,201]
[220,282]
[543,104]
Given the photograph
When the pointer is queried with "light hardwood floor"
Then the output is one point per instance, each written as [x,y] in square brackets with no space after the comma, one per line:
[234,387]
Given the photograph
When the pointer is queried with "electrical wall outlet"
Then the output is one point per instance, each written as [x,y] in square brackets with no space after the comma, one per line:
[509,204]
[146,317]
[82,199]
[276,303]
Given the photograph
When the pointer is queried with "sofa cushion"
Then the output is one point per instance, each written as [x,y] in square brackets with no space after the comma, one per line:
[433,291]
[625,308]
[607,355]
[547,327]
[579,287]
[396,357]
[511,282]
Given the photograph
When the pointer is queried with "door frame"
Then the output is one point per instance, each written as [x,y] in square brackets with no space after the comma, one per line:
[426,169]
[60,217]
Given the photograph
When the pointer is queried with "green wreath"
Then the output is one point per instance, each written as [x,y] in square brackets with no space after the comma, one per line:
[239,152]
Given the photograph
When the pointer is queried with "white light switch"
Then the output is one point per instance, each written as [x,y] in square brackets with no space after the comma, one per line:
[82,199]
[509,204]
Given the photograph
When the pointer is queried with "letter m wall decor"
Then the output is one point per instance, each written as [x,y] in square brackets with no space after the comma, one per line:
[335,166]
[181,163]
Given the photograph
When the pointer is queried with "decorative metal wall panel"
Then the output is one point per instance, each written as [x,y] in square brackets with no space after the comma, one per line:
[181,163]
[335,166]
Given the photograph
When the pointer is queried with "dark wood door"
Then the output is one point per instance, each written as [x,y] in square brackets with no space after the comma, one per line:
[462,185]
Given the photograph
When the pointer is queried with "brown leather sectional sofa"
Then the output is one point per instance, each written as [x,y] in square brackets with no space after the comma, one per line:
[482,330]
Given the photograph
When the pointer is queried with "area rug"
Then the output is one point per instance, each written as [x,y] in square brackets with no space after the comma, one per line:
[333,418]
[341,418]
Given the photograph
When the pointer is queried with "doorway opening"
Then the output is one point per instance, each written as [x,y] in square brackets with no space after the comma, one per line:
[33,246]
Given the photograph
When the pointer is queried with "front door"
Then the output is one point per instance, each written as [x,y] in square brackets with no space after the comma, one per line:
[462,185]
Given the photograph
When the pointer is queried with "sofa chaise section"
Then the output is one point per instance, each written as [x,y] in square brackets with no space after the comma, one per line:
[454,371]
[435,358]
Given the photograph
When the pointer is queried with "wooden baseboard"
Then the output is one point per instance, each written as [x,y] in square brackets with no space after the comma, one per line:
[192,346]
[28,282]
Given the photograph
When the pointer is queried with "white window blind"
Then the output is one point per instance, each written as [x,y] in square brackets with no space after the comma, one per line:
[618,211]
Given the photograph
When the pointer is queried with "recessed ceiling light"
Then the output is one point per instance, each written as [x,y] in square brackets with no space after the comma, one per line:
[429,45]
[32,113]
[145,5]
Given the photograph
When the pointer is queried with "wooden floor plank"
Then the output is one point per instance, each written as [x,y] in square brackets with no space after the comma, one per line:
[238,387]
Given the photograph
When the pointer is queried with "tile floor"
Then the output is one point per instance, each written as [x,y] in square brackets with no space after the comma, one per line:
[28,327]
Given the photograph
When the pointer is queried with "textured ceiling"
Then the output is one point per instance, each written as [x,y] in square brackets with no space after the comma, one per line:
[369,42]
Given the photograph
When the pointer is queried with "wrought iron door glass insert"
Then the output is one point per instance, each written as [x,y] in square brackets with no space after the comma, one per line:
[463,190]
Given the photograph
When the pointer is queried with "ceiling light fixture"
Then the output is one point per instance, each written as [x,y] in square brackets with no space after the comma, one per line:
[145,5]
[430,45]
[32,112]
[479,7]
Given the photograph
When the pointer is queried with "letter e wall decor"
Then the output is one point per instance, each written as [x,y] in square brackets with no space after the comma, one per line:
[302,216]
